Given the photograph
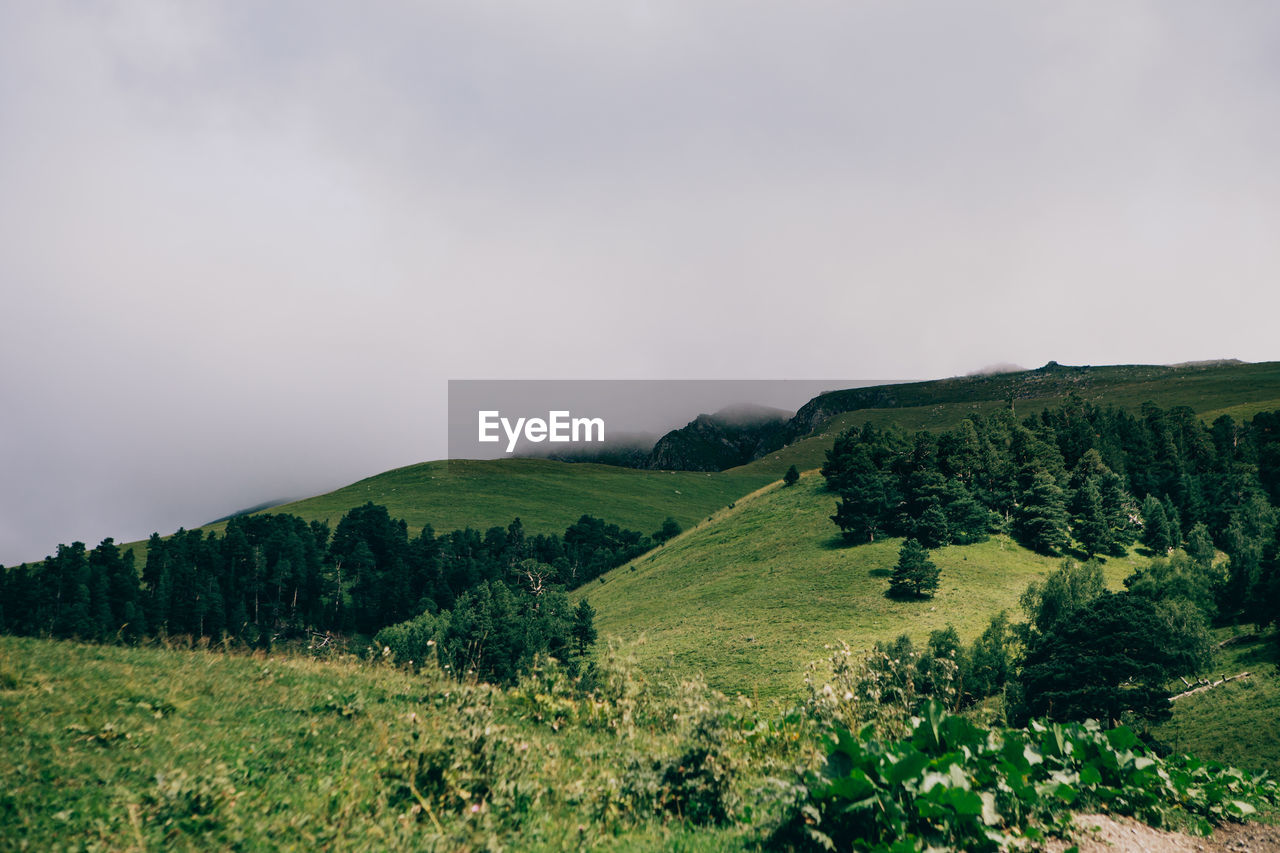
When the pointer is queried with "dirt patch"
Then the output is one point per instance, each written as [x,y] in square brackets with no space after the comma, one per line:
[1107,834]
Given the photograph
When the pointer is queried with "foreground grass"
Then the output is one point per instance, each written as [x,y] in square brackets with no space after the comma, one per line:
[749,596]
[109,748]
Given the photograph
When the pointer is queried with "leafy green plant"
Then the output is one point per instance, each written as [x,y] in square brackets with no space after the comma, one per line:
[954,784]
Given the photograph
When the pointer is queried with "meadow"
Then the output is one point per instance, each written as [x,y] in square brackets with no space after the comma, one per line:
[751,595]
[110,748]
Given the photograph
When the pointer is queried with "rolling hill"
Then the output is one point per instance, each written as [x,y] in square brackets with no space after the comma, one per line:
[1211,389]
[549,495]
[546,495]
[753,594]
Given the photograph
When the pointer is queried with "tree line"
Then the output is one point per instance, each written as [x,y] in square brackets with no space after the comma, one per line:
[274,576]
[1080,651]
[1079,480]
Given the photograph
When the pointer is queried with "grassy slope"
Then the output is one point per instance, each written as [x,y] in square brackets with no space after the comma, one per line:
[1239,390]
[751,596]
[1237,723]
[547,496]
[110,748]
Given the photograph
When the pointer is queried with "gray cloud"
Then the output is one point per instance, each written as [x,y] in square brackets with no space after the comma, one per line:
[243,246]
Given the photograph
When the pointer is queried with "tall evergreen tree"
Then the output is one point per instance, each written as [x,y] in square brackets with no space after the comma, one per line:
[1042,514]
[1155,526]
[584,629]
[1174,519]
[862,498]
[1090,525]
[1200,545]
[932,529]
[1120,509]
[1112,655]
[915,574]
[968,521]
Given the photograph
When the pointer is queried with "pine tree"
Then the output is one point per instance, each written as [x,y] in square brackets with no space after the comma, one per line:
[1090,526]
[1114,654]
[1155,526]
[915,574]
[1174,519]
[584,629]
[932,529]
[862,498]
[1042,514]
[1200,545]
[967,520]
[791,477]
[1120,509]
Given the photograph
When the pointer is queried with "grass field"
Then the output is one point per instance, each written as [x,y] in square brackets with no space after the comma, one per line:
[547,496]
[114,748]
[751,596]
[110,748]
[1237,723]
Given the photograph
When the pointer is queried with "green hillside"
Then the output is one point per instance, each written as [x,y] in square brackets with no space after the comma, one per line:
[547,496]
[149,748]
[749,597]
[1210,724]
[1213,389]
[145,748]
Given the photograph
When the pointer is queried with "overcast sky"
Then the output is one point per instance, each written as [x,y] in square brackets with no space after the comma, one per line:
[243,246]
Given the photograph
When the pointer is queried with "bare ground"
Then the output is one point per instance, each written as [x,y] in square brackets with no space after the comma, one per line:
[1108,834]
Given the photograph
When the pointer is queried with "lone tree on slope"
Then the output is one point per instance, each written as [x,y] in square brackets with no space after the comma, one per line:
[915,575]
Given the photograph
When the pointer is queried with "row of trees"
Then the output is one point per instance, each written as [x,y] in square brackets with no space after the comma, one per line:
[1068,481]
[277,575]
[1080,651]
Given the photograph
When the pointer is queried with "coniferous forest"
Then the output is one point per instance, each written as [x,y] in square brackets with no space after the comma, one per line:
[277,577]
[1081,481]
